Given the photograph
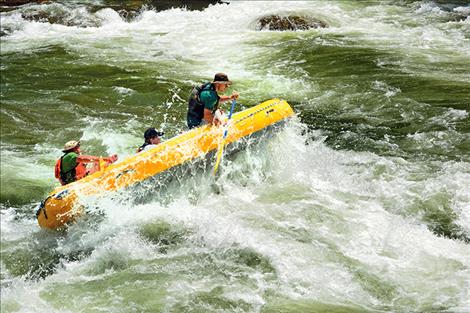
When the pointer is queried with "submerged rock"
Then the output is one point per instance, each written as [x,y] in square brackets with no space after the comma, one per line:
[293,22]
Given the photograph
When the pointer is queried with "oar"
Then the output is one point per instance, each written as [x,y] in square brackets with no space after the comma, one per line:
[220,150]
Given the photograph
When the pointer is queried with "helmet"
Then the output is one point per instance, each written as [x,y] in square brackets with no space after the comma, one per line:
[151,133]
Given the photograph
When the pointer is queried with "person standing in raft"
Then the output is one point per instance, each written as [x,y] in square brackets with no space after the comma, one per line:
[72,166]
[152,139]
[204,101]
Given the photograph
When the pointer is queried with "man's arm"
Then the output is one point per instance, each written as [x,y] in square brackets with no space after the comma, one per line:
[227,98]
[91,158]
[209,99]
[209,117]
[87,158]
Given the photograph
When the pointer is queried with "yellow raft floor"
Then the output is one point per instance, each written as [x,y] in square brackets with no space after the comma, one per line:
[62,205]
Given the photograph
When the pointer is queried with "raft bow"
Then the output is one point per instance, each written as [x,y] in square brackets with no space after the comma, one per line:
[63,206]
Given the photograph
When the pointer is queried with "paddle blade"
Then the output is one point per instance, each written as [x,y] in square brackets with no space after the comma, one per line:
[220,152]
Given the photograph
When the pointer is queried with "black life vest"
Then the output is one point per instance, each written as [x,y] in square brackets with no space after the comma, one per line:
[196,107]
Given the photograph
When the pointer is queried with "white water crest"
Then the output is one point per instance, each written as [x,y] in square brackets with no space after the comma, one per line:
[297,217]
[329,223]
[215,39]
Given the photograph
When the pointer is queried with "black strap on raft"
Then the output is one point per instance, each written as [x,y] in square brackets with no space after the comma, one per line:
[42,207]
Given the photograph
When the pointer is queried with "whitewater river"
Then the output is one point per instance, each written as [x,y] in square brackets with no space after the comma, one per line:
[361,203]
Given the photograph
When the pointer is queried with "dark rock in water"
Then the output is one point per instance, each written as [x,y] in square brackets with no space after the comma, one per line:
[61,15]
[19,2]
[5,31]
[127,9]
[161,5]
[158,5]
[276,22]
[458,15]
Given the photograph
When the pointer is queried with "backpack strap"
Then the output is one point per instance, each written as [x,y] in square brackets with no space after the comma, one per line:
[202,88]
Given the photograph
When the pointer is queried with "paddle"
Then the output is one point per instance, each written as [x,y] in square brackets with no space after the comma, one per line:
[222,143]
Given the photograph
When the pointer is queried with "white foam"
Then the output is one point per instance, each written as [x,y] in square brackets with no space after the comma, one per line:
[17,167]
[319,216]
[316,214]
[188,40]
[429,7]
[115,142]
[123,90]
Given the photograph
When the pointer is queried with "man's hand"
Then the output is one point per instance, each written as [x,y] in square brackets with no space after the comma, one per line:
[234,95]
[113,158]
[219,117]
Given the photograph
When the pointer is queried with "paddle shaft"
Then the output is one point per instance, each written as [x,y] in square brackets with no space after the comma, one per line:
[221,146]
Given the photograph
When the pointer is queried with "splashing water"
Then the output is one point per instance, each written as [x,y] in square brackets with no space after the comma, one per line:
[360,204]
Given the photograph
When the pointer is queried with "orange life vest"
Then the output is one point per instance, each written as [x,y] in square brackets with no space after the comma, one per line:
[79,171]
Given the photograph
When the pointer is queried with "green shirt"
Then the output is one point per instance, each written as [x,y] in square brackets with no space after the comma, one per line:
[209,98]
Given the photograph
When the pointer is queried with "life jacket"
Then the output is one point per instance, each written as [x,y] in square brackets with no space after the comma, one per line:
[77,172]
[195,106]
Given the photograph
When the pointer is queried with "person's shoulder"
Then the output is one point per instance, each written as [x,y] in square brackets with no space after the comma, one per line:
[204,95]
[207,94]
[71,155]
[147,147]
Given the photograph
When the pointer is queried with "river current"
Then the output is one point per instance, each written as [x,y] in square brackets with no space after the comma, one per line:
[360,203]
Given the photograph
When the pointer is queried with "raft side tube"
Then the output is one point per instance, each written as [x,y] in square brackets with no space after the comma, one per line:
[59,209]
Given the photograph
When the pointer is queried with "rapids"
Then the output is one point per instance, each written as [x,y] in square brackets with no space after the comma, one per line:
[361,203]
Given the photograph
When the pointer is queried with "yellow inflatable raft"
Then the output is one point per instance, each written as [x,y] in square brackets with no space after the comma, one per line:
[63,206]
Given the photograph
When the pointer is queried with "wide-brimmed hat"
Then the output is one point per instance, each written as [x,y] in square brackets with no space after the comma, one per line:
[152,133]
[221,78]
[72,144]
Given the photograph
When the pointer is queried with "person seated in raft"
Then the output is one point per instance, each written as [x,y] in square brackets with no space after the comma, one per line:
[152,139]
[204,101]
[73,166]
